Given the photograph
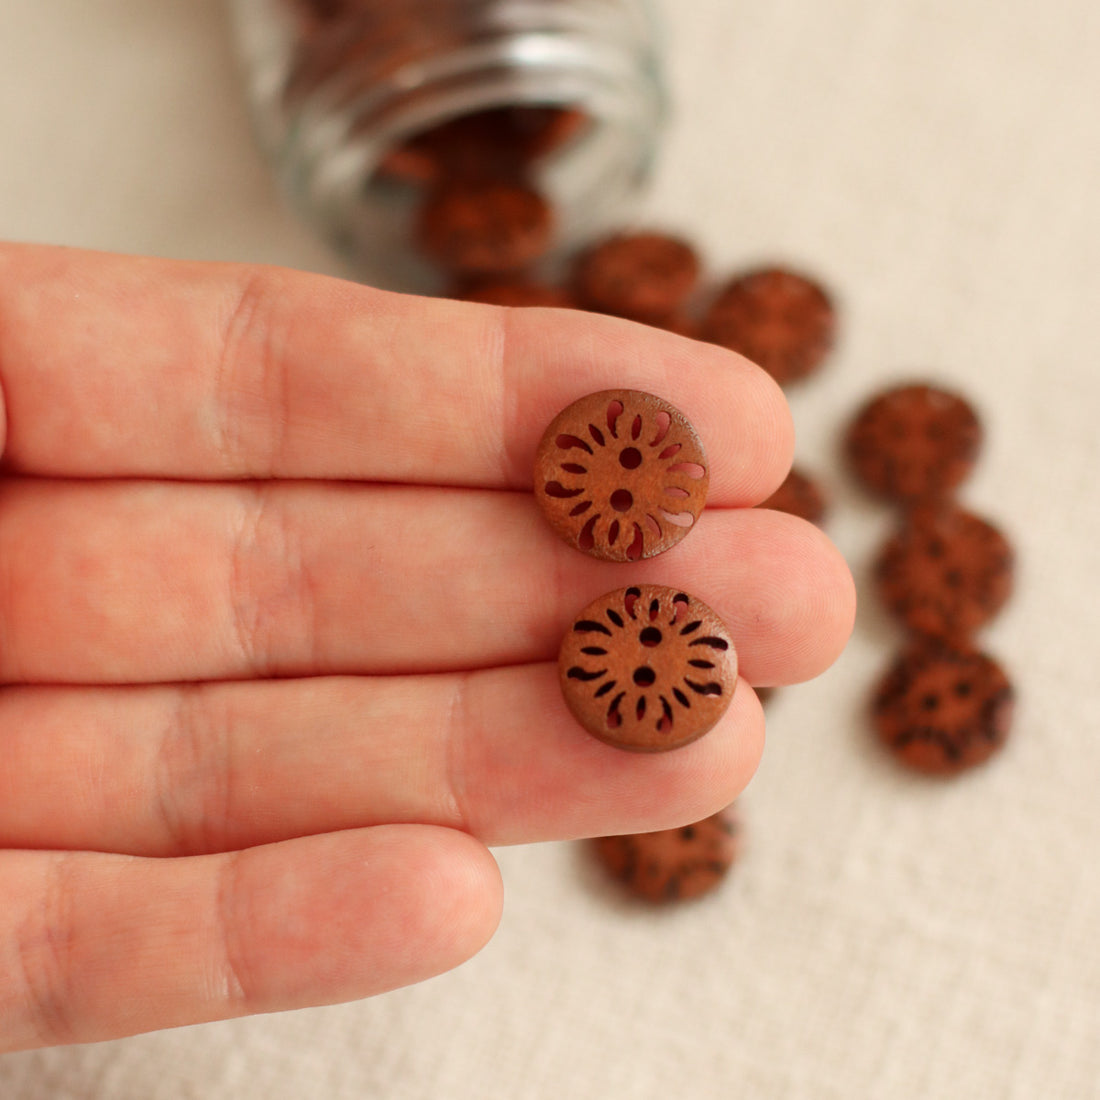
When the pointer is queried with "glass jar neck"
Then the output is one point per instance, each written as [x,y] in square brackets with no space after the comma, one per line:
[362,79]
[371,81]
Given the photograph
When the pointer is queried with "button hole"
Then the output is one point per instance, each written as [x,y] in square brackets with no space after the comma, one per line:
[689,469]
[678,519]
[560,492]
[586,540]
[630,599]
[614,411]
[664,422]
[565,442]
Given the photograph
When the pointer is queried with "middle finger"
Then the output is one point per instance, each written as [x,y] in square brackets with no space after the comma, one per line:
[116,582]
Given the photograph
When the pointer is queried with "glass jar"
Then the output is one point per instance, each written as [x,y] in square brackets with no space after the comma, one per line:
[347,95]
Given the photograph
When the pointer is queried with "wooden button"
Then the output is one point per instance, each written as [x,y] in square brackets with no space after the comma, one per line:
[642,276]
[943,708]
[647,668]
[799,495]
[914,442]
[478,227]
[946,572]
[621,475]
[673,864]
[780,319]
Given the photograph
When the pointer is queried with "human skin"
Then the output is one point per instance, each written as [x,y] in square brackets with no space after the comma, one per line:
[278,621]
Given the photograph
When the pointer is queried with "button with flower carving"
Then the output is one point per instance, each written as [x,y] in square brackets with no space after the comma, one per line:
[800,495]
[943,707]
[946,572]
[642,276]
[673,864]
[914,442]
[647,668]
[780,319]
[484,227]
[621,475]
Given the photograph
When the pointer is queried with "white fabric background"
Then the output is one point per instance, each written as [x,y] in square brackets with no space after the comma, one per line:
[938,162]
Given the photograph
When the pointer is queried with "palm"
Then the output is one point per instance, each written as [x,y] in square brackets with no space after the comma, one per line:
[278,619]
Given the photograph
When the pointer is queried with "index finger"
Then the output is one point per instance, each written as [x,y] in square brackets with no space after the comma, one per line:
[116,366]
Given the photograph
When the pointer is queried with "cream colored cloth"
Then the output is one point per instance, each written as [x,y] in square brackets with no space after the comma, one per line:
[938,163]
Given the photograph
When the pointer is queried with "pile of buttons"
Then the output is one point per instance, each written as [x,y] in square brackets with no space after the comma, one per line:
[621,476]
[944,706]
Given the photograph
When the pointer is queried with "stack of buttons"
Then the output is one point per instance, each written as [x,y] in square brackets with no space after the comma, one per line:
[944,705]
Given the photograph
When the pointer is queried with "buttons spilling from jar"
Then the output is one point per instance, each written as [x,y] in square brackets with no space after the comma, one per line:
[943,706]
[413,132]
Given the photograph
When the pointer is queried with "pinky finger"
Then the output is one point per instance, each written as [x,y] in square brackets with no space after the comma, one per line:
[96,946]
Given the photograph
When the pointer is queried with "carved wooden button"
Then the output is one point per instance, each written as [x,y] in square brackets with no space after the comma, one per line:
[946,572]
[914,442]
[943,707]
[673,864]
[484,227]
[647,668]
[781,320]
[799,495]
[621,475]
[643,276]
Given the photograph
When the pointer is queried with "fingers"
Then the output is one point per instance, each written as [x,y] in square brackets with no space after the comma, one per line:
[171,771]
[96,946]
[124,583]
[117,366]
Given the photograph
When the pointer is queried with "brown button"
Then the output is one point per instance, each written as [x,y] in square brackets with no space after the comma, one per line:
[946,572]
[944,708]
[647,668]
[516,293]
[484,227]
[781,320]
[621,475]
[800,495]
[643,276]
[914,442]
[673,864]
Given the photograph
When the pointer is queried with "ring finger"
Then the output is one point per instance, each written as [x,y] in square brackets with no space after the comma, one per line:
[182,770]
[111,582]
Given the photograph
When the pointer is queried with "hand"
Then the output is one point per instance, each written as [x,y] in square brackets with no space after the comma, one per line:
[278,619]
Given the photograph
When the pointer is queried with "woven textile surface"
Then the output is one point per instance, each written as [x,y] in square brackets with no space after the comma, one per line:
[937,164]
